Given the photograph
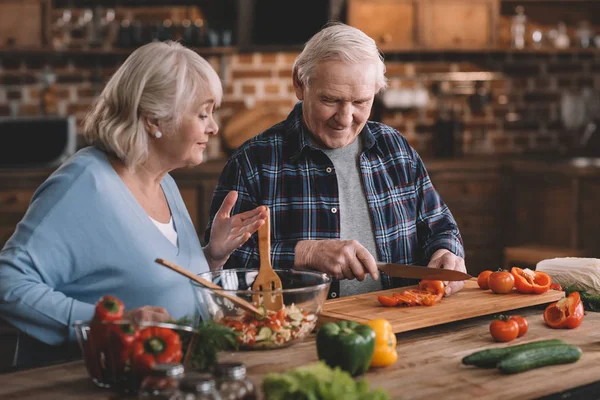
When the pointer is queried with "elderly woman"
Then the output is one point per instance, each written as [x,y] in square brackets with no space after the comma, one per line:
[97,224]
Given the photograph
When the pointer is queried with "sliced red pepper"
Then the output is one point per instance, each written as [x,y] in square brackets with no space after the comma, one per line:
[556,286]
[565,313]
[388,301]
[528,281]
[155,345]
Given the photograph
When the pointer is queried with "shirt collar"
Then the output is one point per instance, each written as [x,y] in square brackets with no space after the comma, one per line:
[299,136]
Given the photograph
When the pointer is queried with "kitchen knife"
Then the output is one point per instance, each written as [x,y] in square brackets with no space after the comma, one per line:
[417,272]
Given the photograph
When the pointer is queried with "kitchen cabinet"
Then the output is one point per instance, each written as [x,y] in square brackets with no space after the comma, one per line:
[474,194]
[391,23]
[401,24]
[555,205]
[28,30]
[438,27]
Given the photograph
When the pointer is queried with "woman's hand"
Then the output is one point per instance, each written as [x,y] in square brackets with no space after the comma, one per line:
[445,259]
[230,232]
[147,314]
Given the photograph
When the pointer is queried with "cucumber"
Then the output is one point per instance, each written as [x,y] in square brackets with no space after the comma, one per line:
[541,357]
[489,358]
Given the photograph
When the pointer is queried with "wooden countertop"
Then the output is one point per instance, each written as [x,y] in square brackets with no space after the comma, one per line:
[429,366]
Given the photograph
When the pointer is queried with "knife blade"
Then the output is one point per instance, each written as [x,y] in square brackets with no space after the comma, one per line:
[417,272]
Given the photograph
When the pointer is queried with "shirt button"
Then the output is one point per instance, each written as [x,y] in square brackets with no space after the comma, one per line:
[333,210]
[328,169]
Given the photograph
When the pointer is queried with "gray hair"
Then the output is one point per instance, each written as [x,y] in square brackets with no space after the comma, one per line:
[158,81]
[338,41]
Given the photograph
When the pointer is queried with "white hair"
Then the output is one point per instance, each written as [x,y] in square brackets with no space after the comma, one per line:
[341,42]
[158,81]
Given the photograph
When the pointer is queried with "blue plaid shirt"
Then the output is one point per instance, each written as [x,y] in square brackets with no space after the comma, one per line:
[280,168]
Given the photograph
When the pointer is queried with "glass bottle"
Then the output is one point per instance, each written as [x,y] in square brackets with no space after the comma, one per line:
[562,39]
[518,28]
[162,383]
[232,382]
[198,386]
[584,34]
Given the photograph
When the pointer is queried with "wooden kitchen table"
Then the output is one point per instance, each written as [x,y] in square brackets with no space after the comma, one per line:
[429,366]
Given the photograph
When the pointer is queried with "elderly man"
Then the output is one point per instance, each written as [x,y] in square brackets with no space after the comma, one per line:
[343,191]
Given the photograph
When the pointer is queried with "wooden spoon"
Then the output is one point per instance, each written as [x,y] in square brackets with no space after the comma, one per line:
[267,279]
[237,300]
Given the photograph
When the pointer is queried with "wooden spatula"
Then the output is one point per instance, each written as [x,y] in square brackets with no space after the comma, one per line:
[237,300]
[267,279]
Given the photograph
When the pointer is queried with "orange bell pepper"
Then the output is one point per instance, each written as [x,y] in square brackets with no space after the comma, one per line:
[565,313]
[529,281]
[385,343]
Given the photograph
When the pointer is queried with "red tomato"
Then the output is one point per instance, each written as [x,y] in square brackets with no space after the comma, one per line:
[523,324]
[482,279]
[504,330]
[501,282]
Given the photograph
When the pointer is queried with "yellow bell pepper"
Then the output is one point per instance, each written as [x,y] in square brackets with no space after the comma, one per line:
[385,343]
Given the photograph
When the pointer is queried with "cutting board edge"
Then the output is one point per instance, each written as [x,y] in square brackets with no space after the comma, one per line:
[532,300]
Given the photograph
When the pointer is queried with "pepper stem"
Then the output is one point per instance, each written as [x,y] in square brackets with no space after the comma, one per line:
[154,345]
[110,305]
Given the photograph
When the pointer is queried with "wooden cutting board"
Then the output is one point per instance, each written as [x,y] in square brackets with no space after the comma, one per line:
[470,302]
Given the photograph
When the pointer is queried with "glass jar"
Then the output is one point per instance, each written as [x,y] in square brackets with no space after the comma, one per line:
[162,383]
[198,386]
[232,382]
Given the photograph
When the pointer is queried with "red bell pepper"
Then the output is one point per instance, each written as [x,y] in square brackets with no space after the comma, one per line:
[528,281]
[121,339]
[155,345]
[565,313]
[109,308]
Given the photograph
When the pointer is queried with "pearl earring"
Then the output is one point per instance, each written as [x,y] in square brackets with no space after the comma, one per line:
[158,134]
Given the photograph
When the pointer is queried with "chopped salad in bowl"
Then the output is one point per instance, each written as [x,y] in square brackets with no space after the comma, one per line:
[304,293]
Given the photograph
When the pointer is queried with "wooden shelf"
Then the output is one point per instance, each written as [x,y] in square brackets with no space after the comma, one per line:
[389,52]
[204,51]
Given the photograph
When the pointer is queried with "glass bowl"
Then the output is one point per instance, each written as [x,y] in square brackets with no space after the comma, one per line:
[108,357]
[304,293]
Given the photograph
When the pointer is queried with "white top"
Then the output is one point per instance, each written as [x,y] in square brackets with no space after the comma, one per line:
[167,229]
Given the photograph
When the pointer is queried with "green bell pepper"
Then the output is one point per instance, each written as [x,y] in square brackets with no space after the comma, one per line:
[346,344]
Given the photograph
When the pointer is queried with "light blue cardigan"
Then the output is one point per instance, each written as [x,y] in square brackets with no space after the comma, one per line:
[85,236]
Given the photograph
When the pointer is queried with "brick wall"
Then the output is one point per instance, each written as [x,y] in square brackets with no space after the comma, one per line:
[523,115]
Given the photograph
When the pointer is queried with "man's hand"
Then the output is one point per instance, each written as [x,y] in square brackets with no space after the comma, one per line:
[337,258]
[445,259]
[228,233]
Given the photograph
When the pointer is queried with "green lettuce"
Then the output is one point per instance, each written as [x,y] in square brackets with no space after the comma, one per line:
[317,381]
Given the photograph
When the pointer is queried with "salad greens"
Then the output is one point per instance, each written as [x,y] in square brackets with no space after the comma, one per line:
[591,302]
[317,381]
[210,339]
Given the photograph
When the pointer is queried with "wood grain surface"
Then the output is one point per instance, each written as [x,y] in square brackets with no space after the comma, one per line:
[428,366]
[470,302]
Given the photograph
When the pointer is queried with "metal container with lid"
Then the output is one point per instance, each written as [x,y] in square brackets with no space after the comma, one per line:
[162,383]
[232,382]
[198,386]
